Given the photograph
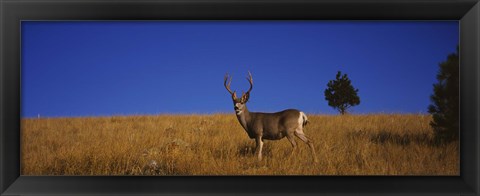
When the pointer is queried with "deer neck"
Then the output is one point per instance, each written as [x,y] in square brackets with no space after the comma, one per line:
[244,117]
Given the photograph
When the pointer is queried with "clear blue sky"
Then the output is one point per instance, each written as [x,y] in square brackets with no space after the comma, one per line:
[134,68]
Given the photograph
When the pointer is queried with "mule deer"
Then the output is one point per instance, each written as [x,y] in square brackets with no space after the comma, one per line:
[269,126]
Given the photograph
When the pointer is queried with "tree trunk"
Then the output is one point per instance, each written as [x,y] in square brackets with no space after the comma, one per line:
[342,110]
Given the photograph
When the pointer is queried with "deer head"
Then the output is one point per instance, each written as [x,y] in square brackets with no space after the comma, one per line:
[239,103]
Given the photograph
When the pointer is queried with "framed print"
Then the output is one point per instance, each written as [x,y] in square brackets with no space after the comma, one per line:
[147,97]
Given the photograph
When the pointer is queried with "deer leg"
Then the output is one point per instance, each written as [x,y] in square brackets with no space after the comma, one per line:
[259,147]
[304,138]
[291,139]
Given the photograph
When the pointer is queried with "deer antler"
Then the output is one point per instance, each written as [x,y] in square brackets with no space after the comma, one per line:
[227,86]
[250,80]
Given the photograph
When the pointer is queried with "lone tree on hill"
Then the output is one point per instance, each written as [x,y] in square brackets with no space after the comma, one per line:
[340,93]
[445,98]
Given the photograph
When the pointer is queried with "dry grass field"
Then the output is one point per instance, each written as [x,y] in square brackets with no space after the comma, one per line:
[381,144]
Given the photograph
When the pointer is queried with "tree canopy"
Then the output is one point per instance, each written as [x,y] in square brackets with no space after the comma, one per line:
[445,100]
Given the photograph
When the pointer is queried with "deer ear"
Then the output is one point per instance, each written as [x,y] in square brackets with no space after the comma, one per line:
[245,97]
[234,95]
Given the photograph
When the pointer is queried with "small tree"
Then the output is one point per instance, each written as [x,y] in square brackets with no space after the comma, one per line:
[445,98]
[340,93]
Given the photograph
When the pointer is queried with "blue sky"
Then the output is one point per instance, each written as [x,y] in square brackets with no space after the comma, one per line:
[161,67]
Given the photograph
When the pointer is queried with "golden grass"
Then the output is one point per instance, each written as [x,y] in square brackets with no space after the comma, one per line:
[380,144]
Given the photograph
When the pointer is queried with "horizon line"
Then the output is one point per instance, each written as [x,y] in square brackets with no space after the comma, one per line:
[216,113]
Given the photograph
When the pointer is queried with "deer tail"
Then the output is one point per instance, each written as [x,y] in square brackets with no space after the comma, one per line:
[305,119]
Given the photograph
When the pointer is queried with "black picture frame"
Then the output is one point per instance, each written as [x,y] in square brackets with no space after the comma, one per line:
[14,11]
